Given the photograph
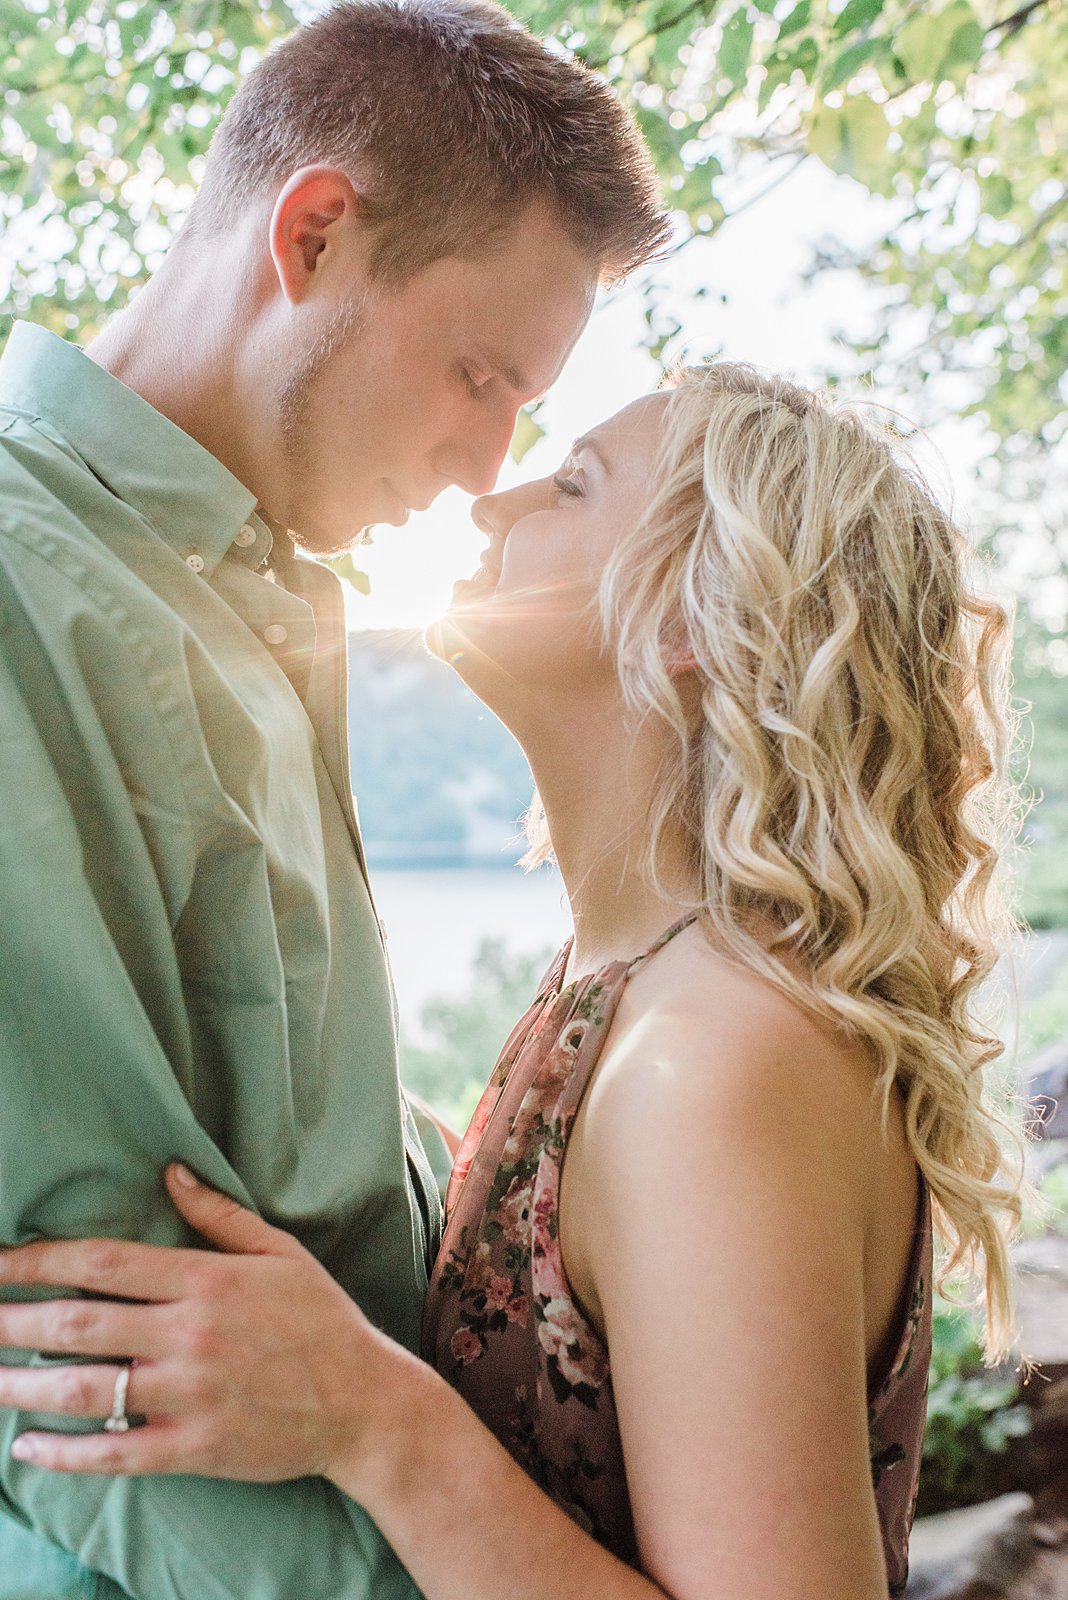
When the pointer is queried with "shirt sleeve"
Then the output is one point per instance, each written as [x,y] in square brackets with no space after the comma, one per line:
[90,1112]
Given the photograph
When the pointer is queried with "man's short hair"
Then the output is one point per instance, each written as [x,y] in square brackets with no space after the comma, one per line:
[450,118]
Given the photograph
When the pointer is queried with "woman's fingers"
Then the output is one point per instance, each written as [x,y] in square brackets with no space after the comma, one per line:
[226,1223]
[159,1447]
[81,1391]
[105,1266]
[87,1328]
[153,1389]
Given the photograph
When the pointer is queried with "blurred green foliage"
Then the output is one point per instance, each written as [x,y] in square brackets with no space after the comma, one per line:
[952,112]
[460,1038]
[972,1414]
[1041,685]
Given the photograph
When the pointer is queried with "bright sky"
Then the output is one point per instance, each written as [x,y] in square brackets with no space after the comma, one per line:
[767,316]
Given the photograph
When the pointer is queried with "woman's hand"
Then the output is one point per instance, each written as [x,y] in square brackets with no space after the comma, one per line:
[250,1364]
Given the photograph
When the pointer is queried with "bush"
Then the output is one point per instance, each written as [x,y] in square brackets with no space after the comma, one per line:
[972,1414]
[464,1036]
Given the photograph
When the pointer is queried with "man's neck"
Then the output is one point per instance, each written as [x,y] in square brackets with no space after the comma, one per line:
[174,345]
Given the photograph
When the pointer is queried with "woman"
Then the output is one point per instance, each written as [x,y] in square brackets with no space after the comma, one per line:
[765,719]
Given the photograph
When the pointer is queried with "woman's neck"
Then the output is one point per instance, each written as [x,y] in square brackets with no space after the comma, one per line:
[598,787]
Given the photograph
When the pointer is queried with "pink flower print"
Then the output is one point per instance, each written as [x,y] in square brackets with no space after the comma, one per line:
[466,1346]
[517,1309]
[479,1268]
[498,1294]
[572,1035]
[523,1125]
[559,1064]
[564,1334]
[544,1215]
[513,1213]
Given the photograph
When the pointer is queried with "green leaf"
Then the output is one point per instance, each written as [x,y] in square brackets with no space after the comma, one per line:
[663,140]
[919,45]
[846,65]
[349,572]
[735,46]
[966,45]
[778,69]
[526,435]
[796,20]
[15,20]
[807,58]
[857,14]
[928,46]
[826,136]
[997,195]
[867,133]
[853,140]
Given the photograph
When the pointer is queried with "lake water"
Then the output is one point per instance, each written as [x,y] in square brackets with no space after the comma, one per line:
[435,920]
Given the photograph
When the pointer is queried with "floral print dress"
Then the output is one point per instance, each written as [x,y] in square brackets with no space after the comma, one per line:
[502,1325]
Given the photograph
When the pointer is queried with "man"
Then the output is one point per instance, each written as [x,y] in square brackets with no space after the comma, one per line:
[405,215]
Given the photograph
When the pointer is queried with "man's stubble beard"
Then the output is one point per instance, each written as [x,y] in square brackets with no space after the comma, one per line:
[293,402]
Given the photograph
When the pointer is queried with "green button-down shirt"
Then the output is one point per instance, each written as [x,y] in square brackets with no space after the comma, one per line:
[190,962]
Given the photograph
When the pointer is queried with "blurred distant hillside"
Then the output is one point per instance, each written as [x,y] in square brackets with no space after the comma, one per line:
[438,780]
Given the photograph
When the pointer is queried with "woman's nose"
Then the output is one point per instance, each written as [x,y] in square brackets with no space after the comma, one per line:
[495,513]
[482,513]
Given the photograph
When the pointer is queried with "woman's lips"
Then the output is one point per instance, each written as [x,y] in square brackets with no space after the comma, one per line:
[482,582]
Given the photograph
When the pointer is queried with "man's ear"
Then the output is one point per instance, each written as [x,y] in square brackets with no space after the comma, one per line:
[310,219]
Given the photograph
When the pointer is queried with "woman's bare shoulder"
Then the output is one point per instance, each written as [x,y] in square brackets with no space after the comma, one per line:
[698,1027]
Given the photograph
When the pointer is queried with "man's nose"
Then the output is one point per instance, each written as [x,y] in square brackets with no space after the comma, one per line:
[476,451]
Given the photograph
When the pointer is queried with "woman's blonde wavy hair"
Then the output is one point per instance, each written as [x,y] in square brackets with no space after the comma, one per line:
[844,774]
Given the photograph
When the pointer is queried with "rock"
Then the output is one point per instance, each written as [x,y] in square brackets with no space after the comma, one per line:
[1048,1073]
[1042,1297]
[1011,1548]
[942,1546]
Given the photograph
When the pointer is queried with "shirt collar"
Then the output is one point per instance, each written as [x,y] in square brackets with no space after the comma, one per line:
[190,499]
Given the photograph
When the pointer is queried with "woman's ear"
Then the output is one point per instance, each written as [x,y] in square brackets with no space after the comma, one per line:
[677,652]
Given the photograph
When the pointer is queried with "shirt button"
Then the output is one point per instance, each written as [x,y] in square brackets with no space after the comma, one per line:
[245,536]
[195,563]
[274,633]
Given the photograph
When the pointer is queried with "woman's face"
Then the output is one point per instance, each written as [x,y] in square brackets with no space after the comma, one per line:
[527,623]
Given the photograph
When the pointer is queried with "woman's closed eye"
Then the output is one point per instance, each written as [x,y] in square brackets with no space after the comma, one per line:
[568,486]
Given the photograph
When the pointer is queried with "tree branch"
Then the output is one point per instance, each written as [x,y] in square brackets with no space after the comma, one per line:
[663,26]
[1015,22]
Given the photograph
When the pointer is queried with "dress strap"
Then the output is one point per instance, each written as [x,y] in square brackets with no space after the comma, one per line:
[665,938]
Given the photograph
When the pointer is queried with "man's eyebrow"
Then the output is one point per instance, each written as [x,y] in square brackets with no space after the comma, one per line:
[511,375]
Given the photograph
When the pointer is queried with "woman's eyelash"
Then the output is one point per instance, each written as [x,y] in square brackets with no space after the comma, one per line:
[567,486]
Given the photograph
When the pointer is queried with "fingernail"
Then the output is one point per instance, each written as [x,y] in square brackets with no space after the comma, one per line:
[183,1176]
[24,1449]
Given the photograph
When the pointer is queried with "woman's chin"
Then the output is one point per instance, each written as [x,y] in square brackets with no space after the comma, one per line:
[451,638]
[452,632]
